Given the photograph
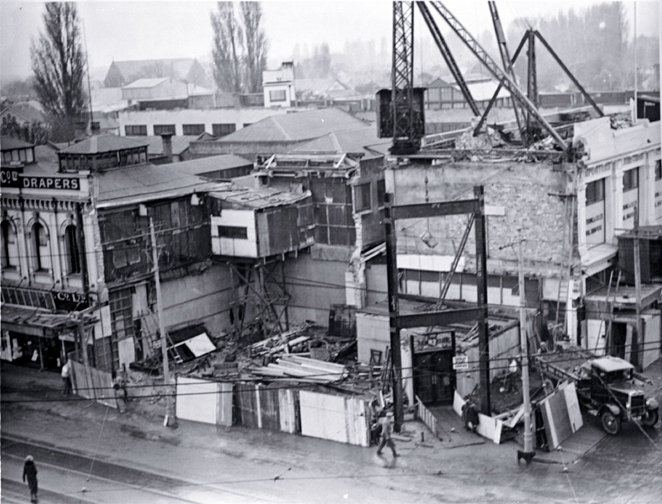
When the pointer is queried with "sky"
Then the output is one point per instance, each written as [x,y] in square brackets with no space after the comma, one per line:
[146,29]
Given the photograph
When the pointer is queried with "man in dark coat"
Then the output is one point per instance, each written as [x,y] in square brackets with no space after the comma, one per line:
[30,472]
[387,427]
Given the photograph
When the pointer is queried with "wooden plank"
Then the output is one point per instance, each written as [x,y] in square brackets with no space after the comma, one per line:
[269,408]
[418,210]
[224,404]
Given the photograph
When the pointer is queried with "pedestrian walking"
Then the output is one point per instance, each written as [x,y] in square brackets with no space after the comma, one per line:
[387,428]
[66,378]
[30,472]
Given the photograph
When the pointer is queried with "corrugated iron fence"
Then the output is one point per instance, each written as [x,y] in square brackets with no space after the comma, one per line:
[278,406]
[92,383]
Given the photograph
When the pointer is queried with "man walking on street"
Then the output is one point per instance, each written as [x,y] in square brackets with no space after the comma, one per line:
[387,429]
[30,472]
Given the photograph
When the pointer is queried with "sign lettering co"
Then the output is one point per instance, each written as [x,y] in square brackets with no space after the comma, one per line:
[12,178]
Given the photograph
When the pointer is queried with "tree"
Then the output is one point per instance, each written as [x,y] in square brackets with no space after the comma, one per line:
[58,66]
[228,47]
[255,60]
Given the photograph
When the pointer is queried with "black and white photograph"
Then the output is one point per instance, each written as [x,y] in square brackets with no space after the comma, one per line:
[328,252]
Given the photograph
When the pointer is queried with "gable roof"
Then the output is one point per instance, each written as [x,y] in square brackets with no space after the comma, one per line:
[103,143]
[356,141]
[177,66]
[295,126]
[146,83]
[26,111]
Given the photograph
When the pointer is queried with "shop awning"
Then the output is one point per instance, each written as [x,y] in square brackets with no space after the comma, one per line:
[35,322]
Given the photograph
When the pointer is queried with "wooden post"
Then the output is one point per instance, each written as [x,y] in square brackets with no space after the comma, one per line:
[528,452]
[481,287]
[637,338]
[170,409]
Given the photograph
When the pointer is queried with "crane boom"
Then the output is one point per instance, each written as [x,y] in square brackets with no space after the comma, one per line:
[498,73]
[507,66]
[448,56]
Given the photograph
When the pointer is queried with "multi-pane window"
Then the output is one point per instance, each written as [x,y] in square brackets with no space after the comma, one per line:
[164,129]
[658,170]
[595,191]
[135,130]
[72,250]
[193,129]
[8,245]
[233,232]
[362,197]
[277,95]
[220,130]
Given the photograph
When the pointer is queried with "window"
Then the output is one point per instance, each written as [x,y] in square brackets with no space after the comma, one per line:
[631,179]
[39,247]
[248,124]
[136,130]
[658,170]
[8,245]
[72,250]
[164,129]
[194,129]
[381,192]
[595,191]
[220,130]
[233,232]
[362,197]
[277,95]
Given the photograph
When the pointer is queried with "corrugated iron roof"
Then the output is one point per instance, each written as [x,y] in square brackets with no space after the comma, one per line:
[256,198]
[147,182]
[155,143]
[103,143]
[210,164]
[357,141]
[295,126]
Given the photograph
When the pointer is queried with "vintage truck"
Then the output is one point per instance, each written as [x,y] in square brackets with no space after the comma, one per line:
[607,387]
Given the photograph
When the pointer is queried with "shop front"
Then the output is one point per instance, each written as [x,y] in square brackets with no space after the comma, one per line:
[36,338]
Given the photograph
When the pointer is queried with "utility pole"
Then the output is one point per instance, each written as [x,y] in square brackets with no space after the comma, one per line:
[634,354]
[528,452]
[170,410]
[393,310]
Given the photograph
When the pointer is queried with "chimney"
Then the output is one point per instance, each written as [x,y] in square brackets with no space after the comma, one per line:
[167,146]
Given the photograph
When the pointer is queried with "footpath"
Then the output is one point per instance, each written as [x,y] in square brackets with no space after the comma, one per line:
[33,409]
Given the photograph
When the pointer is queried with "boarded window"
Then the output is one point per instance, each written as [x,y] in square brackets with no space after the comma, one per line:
[135,130]
[233,232]
[220,130]
[194,129]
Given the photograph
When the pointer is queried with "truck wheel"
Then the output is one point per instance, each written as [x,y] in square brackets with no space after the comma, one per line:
[650,418]
[611,423]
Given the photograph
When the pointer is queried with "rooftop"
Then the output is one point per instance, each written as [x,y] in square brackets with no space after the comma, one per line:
[296,126]
[103,143]
[141,183]
[257,198]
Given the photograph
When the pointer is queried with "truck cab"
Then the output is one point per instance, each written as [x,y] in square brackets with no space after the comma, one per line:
[615,394]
